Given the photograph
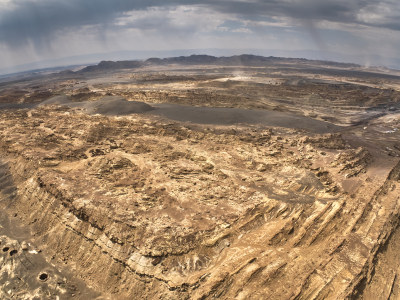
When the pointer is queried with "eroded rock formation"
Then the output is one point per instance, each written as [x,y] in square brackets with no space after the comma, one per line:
[138,206]
[271,179]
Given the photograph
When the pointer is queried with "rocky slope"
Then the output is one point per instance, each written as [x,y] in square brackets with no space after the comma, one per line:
[137,205]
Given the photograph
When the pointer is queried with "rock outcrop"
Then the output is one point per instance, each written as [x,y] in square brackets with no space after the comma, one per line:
[163,210]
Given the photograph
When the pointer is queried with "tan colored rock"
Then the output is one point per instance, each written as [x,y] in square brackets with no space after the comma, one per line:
[24,246]
[143,205]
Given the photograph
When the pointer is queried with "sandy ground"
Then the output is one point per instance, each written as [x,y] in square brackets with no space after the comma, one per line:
[117,106]
[231,116]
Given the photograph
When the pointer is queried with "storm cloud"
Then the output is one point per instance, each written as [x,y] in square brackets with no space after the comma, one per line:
[43,24]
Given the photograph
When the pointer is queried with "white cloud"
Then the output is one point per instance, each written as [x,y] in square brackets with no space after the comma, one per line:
[379,13]
[180,18]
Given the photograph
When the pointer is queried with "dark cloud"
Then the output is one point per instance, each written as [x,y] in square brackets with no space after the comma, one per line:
[74,27]
[36,20]
[339,11]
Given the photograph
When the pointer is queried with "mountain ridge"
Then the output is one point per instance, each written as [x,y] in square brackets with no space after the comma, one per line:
[201,59]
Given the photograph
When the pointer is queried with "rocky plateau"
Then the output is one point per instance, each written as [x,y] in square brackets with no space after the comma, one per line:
[201,178]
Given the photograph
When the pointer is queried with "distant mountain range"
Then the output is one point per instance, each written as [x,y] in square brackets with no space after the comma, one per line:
[236,60]
[129,55]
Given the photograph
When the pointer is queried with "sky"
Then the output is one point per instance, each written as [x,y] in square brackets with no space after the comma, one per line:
[46,32]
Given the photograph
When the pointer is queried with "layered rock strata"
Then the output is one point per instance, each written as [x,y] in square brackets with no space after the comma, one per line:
[137,206]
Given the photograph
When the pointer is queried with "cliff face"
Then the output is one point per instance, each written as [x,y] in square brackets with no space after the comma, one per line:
[161,210]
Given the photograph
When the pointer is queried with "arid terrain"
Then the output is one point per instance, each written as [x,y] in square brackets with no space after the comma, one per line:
[199,178]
